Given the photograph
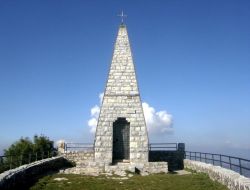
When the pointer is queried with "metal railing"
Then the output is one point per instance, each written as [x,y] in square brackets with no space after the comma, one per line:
[8,162]
[163,146]
[237,164]
[90,146]
[78,147]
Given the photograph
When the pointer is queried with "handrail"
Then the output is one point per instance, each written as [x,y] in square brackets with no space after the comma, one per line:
[163,146]
[231,162]
[12,161]
[87,146]
[80,143]
[81,146]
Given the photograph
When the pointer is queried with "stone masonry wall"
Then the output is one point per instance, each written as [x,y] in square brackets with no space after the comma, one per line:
[79,157]
[21,177]
[233,180]
[121,99]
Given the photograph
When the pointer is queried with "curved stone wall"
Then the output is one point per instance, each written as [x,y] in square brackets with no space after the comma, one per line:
[233,180]
[23,176]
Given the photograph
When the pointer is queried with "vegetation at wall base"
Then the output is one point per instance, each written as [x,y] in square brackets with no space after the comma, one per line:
[194,181]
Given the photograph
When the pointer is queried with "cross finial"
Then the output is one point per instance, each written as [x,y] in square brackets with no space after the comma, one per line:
[122,16]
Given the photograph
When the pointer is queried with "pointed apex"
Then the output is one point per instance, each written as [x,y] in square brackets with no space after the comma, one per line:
[122,25]
[122,17]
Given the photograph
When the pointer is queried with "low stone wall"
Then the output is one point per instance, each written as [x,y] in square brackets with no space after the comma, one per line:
[79,157]
[23,176]
[85,164]
[233,180]
[152,168]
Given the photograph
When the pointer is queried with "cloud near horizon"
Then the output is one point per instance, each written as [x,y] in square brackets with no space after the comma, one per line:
[158,122]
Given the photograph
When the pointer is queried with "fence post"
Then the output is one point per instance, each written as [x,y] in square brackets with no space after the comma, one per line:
[181,150]
[240,166]
[29,157]
[213,158]
[21,159]
[10,162]
[230,164]
[205,157]
[200,156]
[195,156]
[181,147]
[181,154]
[220,161]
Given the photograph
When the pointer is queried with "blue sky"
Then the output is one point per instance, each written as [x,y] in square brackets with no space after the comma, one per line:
[192,59]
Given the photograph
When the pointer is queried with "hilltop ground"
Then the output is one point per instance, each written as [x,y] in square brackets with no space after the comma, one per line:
[193,181]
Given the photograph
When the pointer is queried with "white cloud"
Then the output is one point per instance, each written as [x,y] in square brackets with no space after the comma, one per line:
[95,111]
[92,122]
[158,122]
[101,97]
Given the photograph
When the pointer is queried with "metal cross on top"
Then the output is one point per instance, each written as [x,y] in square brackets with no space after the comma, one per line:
[122,16]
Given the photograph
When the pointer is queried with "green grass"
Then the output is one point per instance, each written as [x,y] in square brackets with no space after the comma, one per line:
[194,181]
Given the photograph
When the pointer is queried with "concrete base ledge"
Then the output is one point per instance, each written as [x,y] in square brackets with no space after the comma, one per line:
[233,180]
[22,176]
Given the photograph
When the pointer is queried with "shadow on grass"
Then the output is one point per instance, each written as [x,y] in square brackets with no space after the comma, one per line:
[172,172]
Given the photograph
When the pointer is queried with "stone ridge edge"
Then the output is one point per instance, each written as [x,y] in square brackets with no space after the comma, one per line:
[9,173]
[229,178]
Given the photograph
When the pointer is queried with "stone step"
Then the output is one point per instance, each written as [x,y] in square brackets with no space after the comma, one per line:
[120,169]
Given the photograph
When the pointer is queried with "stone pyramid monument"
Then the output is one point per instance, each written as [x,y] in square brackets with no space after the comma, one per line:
[121,133]
[121,139]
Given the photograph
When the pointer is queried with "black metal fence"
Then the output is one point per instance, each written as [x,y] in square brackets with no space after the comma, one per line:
[163,146]
[78,147]
[237,164]
[90,146]
[12,161]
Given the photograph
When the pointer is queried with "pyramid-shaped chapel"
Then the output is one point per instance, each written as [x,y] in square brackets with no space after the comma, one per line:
[121,133]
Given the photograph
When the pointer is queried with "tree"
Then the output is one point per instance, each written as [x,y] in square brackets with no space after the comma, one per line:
[17,154]
[25,151]
[23,146]
[42,145]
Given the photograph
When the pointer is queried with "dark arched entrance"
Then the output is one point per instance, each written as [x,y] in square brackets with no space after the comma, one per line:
[121,131]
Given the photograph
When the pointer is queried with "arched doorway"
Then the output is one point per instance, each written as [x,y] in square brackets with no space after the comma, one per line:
[121,133]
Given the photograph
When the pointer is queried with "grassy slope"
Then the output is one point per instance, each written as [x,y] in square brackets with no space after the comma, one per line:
[158,181]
